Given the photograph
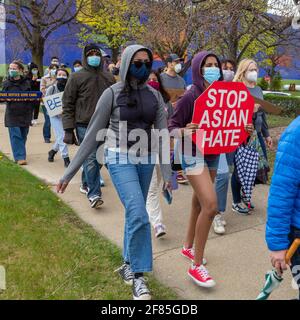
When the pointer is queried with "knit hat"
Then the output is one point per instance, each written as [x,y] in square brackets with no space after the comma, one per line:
[91,48]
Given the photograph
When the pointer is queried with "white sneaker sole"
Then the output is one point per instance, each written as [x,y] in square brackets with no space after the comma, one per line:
[219,232]
[209,284]
[97,204]
[241,214]
[142,297]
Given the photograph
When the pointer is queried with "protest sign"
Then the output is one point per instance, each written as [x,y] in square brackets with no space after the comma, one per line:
[7,96]
[222,112]
[53,104]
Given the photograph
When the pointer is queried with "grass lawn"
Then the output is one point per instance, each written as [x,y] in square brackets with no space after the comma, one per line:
[48,252]
[290,81]
[278,121]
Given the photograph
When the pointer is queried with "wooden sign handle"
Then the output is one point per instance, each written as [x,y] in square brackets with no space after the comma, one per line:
[292,250]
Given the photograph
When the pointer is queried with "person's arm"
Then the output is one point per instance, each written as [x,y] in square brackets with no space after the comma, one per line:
[43,86]
[69,104]
[164,143]
[99,121]
[284,190]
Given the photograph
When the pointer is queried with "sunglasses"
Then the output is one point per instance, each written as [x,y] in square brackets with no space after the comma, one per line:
[140,63]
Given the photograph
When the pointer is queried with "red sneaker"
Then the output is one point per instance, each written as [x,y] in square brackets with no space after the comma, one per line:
[201,277]
[190,254]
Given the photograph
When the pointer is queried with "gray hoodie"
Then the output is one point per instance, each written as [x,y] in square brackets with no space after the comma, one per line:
[141,106]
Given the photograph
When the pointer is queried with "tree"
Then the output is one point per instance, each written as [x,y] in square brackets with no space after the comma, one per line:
[176,26]
[112,22]
[36,20]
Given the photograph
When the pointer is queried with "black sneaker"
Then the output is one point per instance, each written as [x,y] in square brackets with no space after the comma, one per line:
[249,205]
[67,162]
[236,207]
[140,290]
[51,155]
[96,202]
[126,274]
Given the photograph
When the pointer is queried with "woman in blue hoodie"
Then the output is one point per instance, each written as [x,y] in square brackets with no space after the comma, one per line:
[283,220]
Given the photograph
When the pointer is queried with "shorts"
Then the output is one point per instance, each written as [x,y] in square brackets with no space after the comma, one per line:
[197,163]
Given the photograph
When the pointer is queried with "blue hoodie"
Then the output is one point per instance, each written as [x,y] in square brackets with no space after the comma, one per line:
[284,196]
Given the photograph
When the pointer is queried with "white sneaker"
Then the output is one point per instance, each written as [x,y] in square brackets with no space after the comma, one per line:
[218,225]
[223,219]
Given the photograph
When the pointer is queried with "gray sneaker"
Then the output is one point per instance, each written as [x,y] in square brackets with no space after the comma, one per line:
[126,274]
[140,290]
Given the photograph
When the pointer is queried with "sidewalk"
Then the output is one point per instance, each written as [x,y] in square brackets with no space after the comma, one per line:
[237,260]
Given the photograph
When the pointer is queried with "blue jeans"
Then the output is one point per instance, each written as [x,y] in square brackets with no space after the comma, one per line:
[18,138]
[91,168]
[47,125]
[263,144]
[222,182]
[59,144]
[132,180]
[295,233]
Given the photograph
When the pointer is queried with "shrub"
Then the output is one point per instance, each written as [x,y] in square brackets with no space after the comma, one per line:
[276,82]
[290,105]
[263,84]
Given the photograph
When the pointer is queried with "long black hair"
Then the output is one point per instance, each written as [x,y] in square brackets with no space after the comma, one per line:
[162,90]
[31,66]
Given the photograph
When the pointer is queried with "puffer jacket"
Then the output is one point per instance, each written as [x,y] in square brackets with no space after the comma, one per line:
[284,196]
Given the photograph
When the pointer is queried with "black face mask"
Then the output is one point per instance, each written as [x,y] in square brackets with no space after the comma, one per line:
[61,84]
[115,71]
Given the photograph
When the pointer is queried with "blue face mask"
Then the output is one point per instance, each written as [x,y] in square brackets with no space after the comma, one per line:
[94,61]
[212,74]
[76,69]
[141,73]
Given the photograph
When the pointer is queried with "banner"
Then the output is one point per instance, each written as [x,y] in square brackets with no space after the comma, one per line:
[6,96]
[53,104]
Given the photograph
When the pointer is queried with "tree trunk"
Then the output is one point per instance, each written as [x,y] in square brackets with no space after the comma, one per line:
[37,57]
[115,53]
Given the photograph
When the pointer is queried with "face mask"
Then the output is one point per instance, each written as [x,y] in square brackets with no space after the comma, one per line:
[115,71]
[212,74]
[53,73]
[141,73]
[76,69]
[178,67]
[94,61]
[13,73]
[55,62]
[34,72]
[61,83]
[154,84]
[252,76]
[228,75]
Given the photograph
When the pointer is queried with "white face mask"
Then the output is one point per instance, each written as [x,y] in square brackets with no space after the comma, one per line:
[252,76]
[178,67]
[228,75]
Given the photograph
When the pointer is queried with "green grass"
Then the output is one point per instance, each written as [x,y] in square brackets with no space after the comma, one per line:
[48,252]
[278,121]
[290,81]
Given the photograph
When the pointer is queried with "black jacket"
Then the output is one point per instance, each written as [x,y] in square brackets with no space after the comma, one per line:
[82,93]
[18,113]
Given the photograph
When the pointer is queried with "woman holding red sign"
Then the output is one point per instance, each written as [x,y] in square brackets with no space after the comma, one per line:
[200,170]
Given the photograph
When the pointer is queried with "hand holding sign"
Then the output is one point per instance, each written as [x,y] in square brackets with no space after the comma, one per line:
[53,104]
[222,112]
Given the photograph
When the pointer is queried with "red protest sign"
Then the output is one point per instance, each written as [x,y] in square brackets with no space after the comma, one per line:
[222,112]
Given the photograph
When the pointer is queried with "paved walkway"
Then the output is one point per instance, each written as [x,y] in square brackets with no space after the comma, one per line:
[237,260]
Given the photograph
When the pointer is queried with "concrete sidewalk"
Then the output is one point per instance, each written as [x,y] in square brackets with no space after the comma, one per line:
[238,260]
